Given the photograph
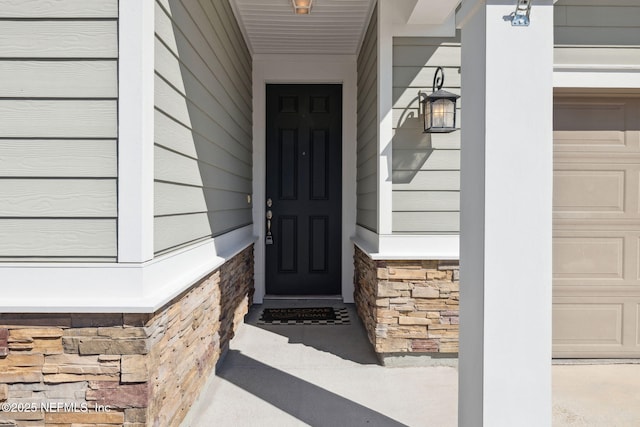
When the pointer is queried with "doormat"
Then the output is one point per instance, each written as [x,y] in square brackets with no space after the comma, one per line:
[304,316]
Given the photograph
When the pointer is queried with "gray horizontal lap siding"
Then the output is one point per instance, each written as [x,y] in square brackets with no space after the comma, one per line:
[585,34]
[367,136]
[203,121]
[426,167]
[58,130]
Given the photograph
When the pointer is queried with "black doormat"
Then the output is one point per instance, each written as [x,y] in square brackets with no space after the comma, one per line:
[304,316]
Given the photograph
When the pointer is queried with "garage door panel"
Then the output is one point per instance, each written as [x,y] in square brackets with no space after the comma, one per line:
[595,126]
[607,191]
[585,191]
[595,141]
[595,256]
[591,324]
[588,257]
[596,327]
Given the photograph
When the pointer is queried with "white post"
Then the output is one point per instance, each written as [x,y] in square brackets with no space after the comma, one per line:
[506,207]
[135,131]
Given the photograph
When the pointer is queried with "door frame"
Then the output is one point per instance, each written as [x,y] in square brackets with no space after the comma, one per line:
[305,69]
[303,206]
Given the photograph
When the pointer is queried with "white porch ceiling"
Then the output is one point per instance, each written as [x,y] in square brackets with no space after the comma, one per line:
[333,27]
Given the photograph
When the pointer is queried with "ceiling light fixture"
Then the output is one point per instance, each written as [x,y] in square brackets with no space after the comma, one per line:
[302,7]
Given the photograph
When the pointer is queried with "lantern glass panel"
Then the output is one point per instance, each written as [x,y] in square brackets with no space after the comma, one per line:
[443,113]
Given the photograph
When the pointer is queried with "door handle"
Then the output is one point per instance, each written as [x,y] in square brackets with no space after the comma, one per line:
[269,237]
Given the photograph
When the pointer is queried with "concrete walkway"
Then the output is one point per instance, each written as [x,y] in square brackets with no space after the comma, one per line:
[325,376]
[596,395]
[328,376]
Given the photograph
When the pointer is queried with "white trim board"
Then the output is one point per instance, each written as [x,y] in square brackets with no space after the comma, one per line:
[115,288]
[407,246]
[281,68]
[570,76]
[135,131]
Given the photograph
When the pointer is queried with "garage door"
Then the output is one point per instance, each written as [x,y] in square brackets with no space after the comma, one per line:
[596,241]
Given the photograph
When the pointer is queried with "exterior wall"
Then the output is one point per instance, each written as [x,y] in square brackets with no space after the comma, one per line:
[58,130]
[587,32]
[408,307]
[426,167]
[203,135]
[367,158]
[596,46]
[148,368]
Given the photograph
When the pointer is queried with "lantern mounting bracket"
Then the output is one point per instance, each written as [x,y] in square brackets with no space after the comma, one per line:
[438,79]
[520,18]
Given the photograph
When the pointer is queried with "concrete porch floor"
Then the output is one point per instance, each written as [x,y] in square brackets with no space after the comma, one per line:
[328,376]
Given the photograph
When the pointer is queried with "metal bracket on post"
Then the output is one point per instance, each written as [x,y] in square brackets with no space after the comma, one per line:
[520,17]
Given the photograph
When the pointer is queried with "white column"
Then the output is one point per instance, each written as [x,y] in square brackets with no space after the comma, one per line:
[506,207]
[135,131]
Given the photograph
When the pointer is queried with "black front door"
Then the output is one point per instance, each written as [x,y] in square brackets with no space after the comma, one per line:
[304,186]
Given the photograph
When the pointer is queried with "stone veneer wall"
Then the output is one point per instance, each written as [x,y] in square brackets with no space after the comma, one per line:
[148,368]
[408,307]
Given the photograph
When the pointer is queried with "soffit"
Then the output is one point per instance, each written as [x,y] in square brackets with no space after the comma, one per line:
[333,27]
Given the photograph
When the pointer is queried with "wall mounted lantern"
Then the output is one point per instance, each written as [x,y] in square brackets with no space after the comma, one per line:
[302,7]
[439,108]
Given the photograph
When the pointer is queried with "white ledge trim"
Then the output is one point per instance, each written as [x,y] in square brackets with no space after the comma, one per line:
[407,247]
[365,239]
[608,68]
[606,77]
[115,288]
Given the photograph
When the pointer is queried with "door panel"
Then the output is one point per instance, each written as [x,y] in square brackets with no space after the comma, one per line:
[304,182]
